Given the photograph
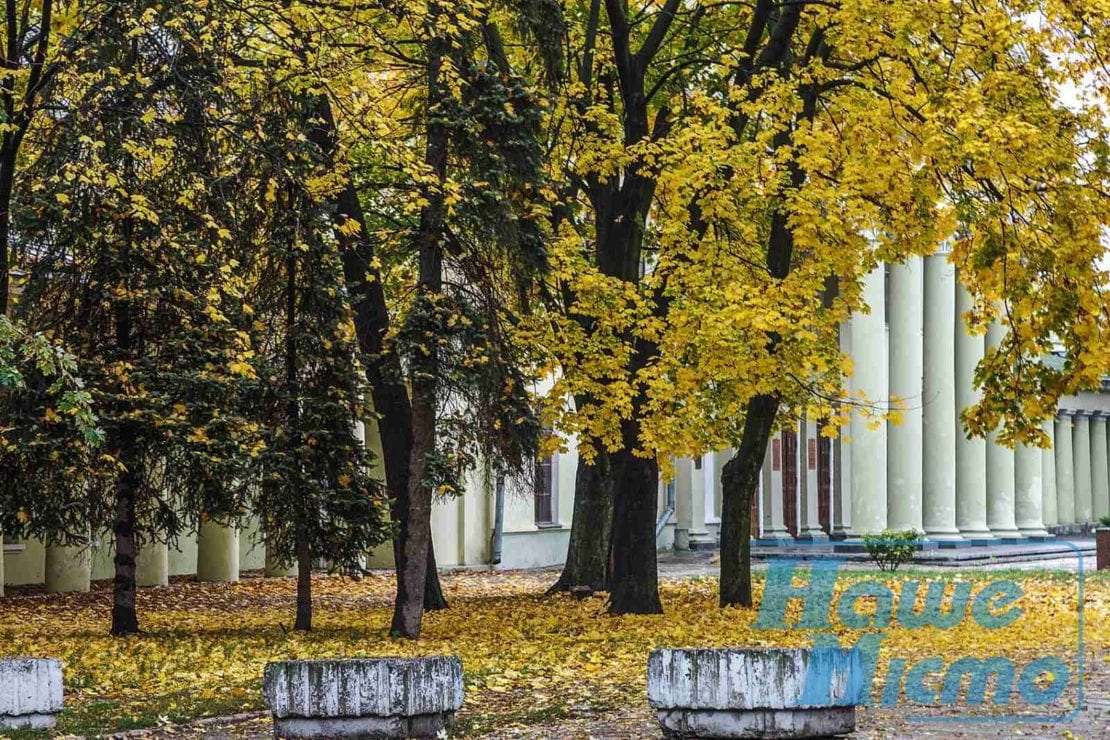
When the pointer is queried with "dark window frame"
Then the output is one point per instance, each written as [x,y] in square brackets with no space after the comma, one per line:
[543,492]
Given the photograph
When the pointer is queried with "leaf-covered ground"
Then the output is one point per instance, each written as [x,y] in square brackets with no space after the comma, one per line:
[528,659]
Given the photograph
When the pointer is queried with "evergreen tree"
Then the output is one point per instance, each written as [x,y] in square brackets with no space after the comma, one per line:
[128,260]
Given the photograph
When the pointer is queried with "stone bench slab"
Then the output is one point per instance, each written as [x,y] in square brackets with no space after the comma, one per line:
[30,692]
[364,697]
[755,692]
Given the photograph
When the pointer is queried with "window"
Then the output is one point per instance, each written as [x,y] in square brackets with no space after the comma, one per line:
[544,491]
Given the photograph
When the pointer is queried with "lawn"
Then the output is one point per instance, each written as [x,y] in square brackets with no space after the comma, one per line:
[527,658]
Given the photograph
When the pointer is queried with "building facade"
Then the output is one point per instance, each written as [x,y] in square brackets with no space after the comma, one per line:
[922,474]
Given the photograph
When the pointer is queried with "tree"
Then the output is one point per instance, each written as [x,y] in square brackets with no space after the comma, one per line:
[31,55]
[46,411]
[478,181]
[316,493]
[743,166]
[631,70]
[48,438]
[434,216]
[127,253]
[843,135]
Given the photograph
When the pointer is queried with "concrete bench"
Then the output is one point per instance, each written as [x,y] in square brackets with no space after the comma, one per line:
[364,697]
[753,692]
[30,693]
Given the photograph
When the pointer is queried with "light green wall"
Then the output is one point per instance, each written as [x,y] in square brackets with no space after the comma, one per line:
[103,568]
[183,556]
[27,567]
[252,550]
[535,549]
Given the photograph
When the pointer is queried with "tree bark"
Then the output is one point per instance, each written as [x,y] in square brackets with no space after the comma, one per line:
[304,584]
[635,582]
[125,620]
[383,372]
[434,600]
[739,484]
[7,177]
[588,554]
[416,526]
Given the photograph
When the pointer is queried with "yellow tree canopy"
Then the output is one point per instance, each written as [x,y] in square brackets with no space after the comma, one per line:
[863,131]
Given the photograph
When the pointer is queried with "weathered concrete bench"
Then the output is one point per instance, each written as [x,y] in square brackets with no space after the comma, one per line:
[30,693]
[742,692]
[364,697]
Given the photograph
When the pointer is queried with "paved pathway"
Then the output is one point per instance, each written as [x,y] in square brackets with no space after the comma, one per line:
[706,564]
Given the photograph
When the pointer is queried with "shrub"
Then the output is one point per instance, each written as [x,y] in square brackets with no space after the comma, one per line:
[891,548]
[1104,520]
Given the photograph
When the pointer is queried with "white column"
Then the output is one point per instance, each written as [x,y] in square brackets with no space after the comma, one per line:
[701,480]
[1048,483]
[68,568]
[868,446]
[1100,474]
[903,441]
[217,552]
[774,526]
[1000,467]
[1065,469]
[276,569]
[713,500]
[1081,449]
[939,420]
[809,518]
[1028,491]
[971,453]
[152,564]
[683,480]
[841,510]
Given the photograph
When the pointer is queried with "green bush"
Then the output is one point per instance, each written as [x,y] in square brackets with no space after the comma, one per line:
[1104,520]
[891,548]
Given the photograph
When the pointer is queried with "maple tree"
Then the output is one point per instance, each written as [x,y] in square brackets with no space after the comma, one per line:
[730,192]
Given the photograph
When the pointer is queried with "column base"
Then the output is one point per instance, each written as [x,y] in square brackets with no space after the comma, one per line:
[700,539]
[1035,533]
[1006,534]
[813,535]
[946,539]
[775,537]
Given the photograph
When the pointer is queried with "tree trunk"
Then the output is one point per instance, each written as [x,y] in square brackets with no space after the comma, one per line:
[7,175]
[413,566]
[434,600]
[739,484]
[635,582]
[304,584]
[588,553]
[383,370]
[125,620]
